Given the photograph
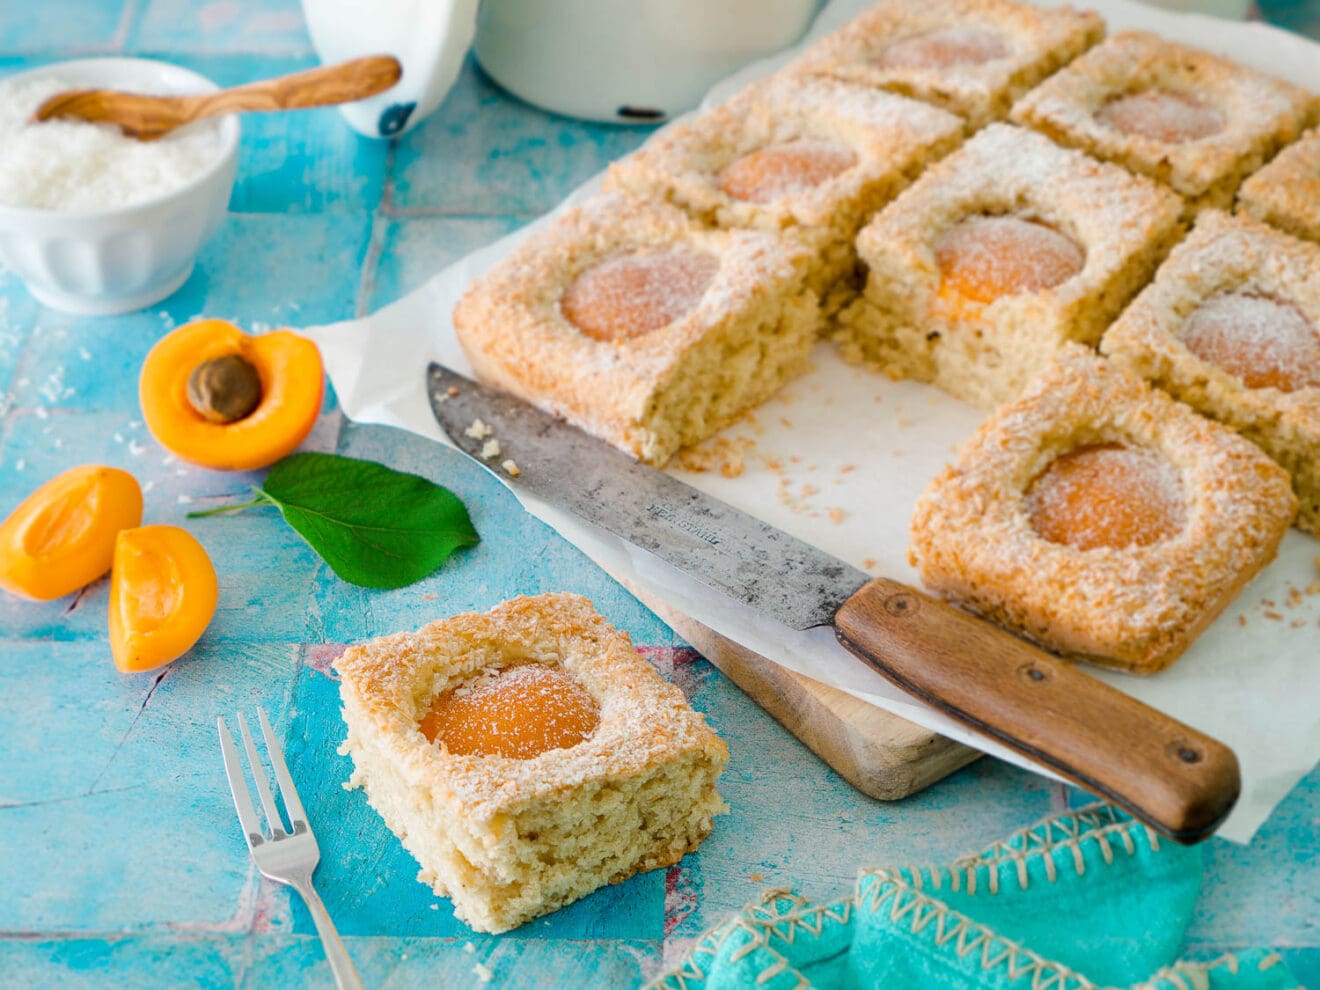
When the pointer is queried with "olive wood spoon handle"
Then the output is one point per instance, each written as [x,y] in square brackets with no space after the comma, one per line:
[150,117]
[1179,780]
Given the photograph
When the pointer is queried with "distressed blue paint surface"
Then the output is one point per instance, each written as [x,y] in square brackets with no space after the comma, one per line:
[121,862]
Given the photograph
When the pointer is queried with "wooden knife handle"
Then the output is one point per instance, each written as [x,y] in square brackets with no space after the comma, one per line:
[1178,780]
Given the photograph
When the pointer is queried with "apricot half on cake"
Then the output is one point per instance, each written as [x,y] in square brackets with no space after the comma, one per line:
[514,753]
[1231,326]
[1198,122]
[1100,518]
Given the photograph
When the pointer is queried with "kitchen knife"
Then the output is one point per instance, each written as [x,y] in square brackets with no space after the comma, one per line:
[1180,781]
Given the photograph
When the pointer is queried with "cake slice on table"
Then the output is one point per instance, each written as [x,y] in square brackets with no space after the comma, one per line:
[1197,122]
[971,57]
[1286,192]
[997,256]
[641,326]
[813,158]
[527,756]
[1101,519]
[1231,326]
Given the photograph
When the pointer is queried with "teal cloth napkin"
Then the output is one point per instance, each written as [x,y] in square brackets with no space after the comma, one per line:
[1088,899]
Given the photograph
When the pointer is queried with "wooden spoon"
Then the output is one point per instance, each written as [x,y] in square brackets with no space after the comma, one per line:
[150,117]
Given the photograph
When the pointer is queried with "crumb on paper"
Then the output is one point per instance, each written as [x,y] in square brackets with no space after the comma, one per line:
[1297,623]
[848,469]
[1271,614]
[483,972]
[756,877]
[469,947]
[478,430]
[1268,602]
[837,516]
[441,396]
[512,468]
[726,455]
[490,449]
[451,391]
[1242,618]
[869,563]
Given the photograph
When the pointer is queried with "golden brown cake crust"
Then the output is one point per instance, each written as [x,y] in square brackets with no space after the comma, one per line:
[1039,42]
[1286,192]
[1225,254]
[508,839]
[633,392]
[1136,608]
[1261,113]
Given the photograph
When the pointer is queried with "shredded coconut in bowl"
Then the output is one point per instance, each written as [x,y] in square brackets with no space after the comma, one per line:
[74,167]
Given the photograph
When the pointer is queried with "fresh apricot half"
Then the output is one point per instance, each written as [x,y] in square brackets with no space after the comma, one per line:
[162,596]
[62,536]
[221,398]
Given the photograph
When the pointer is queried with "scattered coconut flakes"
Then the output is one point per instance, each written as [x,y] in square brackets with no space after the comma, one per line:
[478,430]
[511,468]
[483,972]
[490,449]
[469,948]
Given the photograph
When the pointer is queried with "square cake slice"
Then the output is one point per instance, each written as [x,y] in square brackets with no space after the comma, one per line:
[971,57]
[527,756]
[1231,326]
[1100,518]
[1286,192]
[1197,122]
[634,322]
[997,256]
[813,158]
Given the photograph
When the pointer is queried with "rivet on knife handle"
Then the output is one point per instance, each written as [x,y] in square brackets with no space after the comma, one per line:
[1179,780]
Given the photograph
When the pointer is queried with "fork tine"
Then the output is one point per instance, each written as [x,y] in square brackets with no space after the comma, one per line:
[259,775]
[287,791]
[247,814]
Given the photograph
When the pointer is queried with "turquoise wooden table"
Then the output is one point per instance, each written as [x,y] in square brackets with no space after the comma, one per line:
[121,863]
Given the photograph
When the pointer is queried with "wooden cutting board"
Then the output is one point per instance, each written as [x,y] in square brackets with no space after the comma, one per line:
[880,754]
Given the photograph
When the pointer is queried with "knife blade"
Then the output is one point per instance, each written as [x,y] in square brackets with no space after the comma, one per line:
[1177,779]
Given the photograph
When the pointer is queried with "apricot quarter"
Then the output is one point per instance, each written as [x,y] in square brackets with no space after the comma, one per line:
[162,596]
[62,536]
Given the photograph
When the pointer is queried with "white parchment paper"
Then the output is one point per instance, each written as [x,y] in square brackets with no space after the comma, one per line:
[840,456]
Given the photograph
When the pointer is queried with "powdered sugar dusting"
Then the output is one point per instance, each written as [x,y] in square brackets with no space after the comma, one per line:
[963,44]
[1163,116]
[1107,496]
[784,169]
[988,257]
[630,294]
[1265,343]
[518,712]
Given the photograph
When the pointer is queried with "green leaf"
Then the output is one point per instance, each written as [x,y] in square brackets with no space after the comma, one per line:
[374,526]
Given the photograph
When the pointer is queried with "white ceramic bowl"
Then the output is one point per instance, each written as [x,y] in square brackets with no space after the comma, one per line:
[102,262]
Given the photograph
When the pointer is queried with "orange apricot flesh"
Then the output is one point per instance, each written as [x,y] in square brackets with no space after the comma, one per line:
[631,294]
[519,712]
[1172,118]
[945,48]
[984,258]
[163,593]
[784,169]
[1107,495]
[1262,342]
[62,536]
[292,387]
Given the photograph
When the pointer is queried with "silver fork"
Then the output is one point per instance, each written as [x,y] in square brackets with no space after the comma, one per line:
[288,857]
